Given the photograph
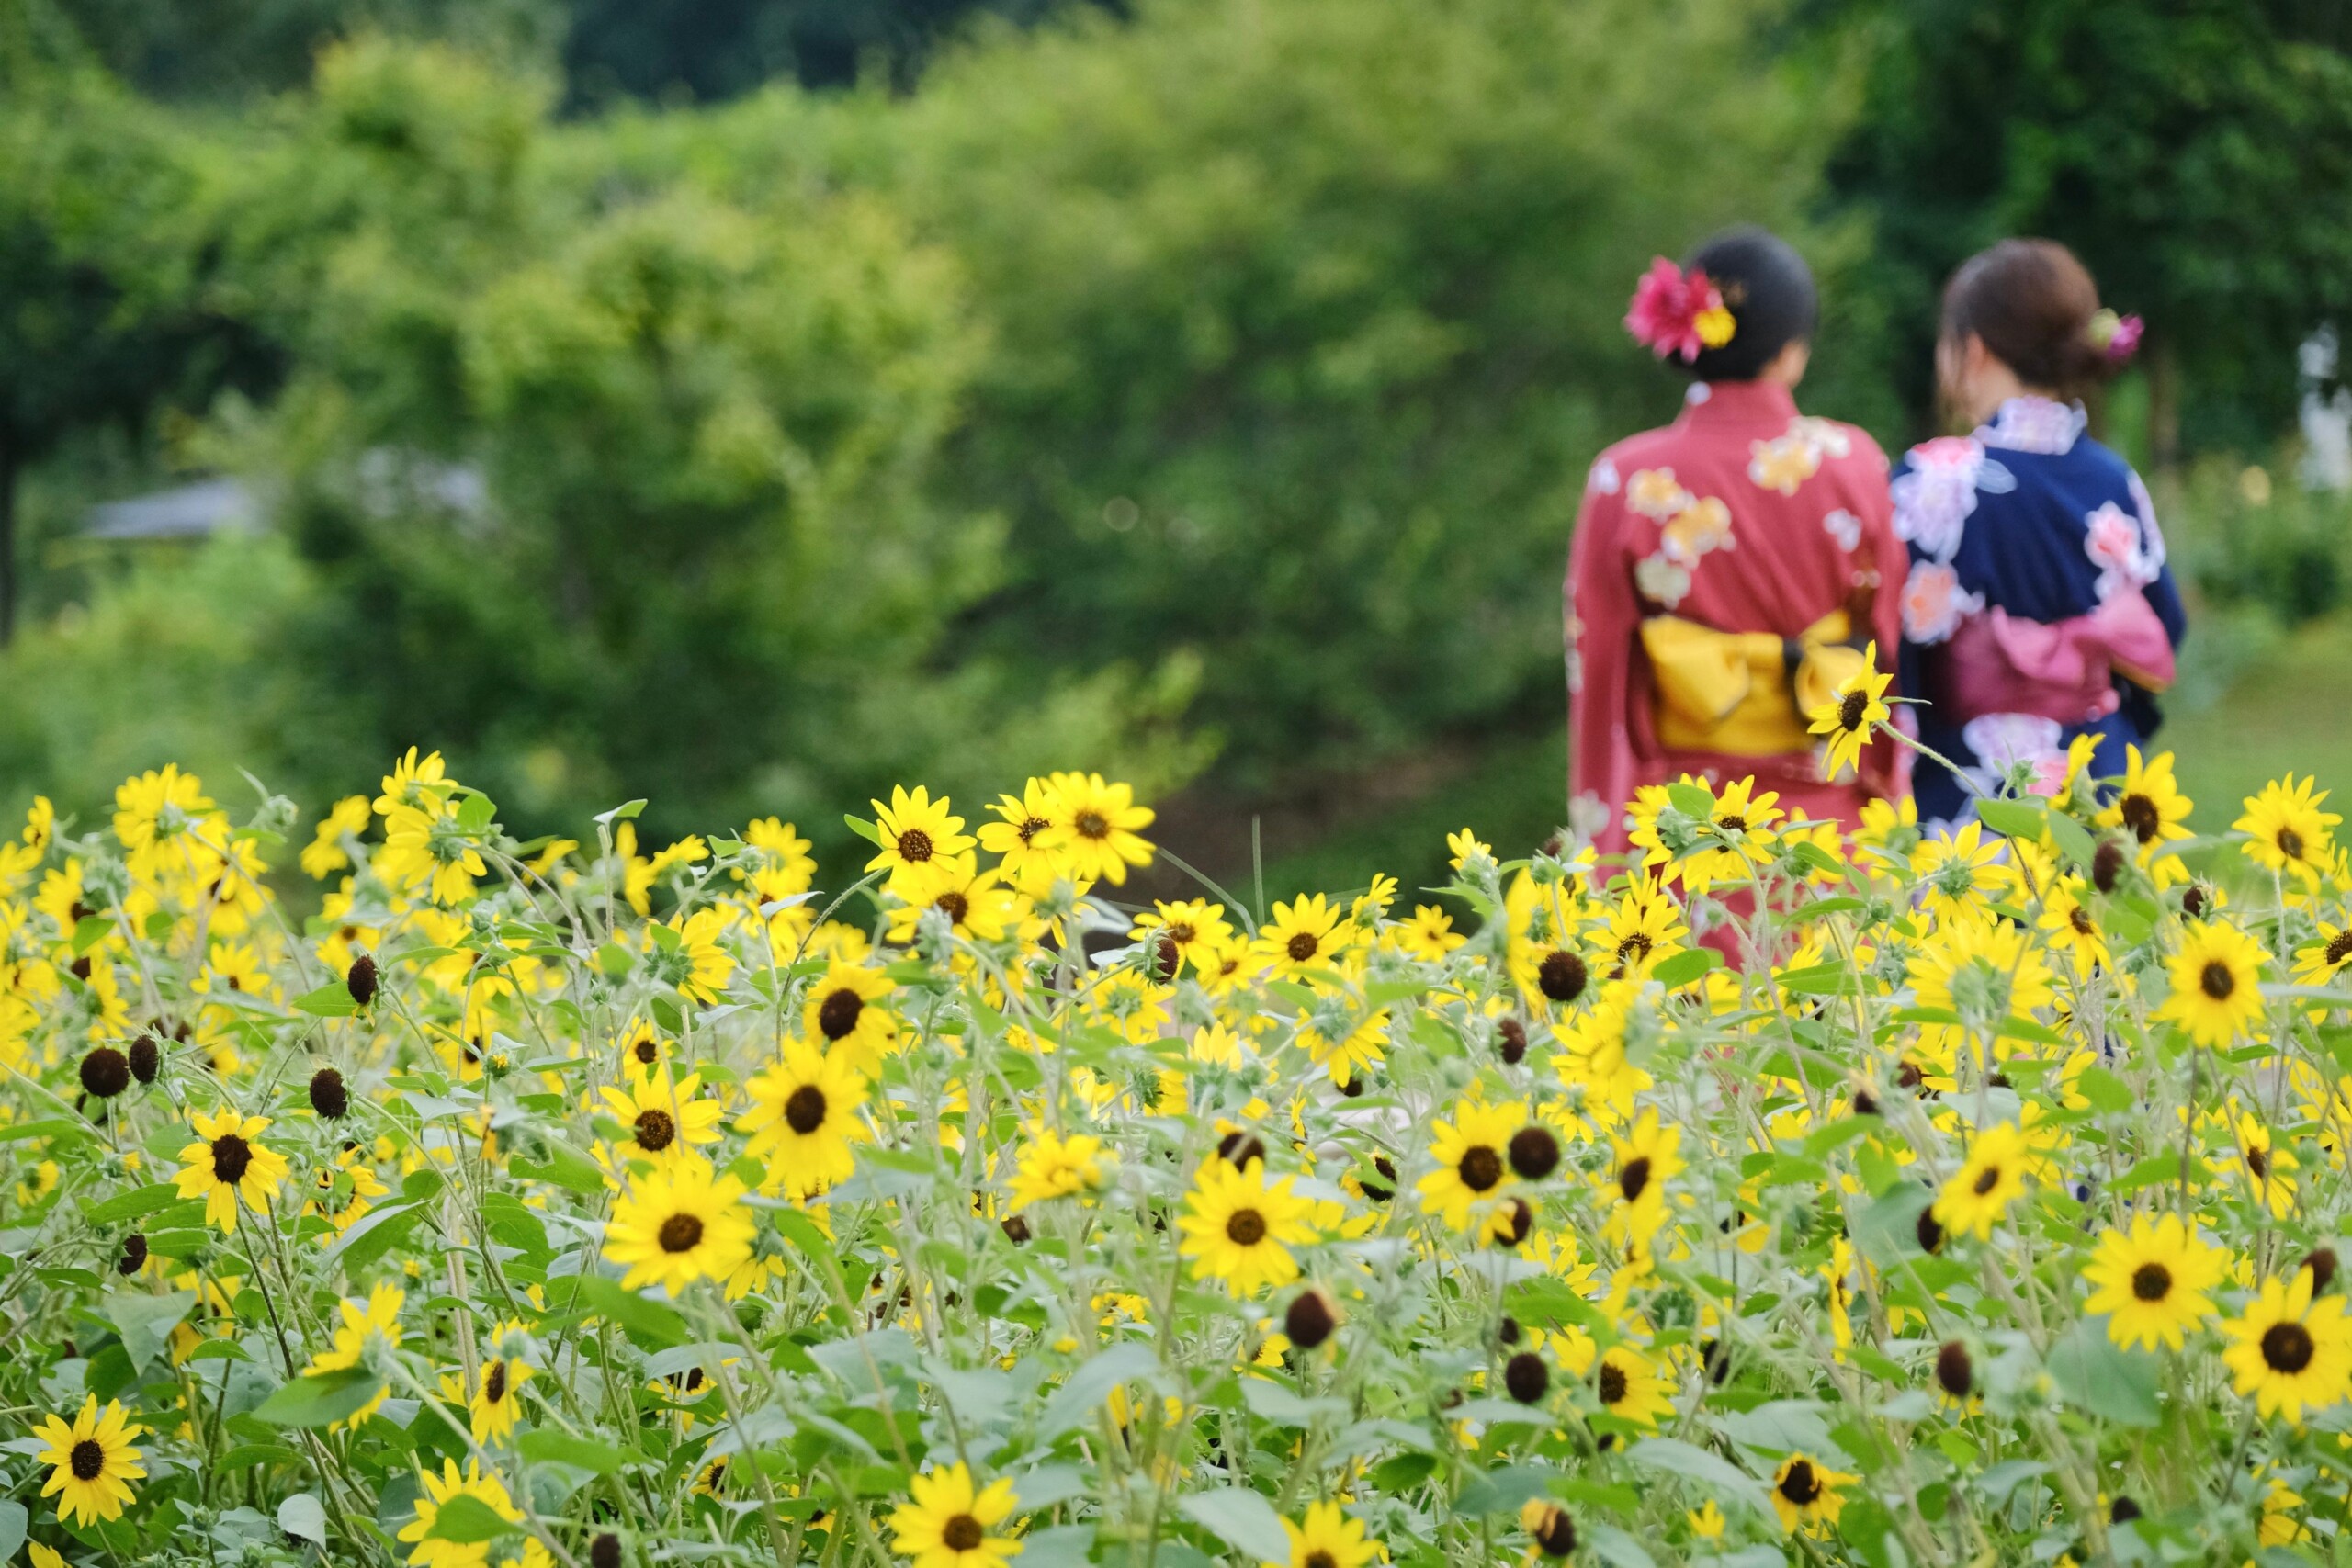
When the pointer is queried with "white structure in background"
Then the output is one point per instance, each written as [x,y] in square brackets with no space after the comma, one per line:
[388,484]
[2326,415]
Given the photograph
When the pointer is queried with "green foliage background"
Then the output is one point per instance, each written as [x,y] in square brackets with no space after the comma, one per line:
[1199,389]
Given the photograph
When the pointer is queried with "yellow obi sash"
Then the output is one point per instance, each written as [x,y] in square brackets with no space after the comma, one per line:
[1744,692]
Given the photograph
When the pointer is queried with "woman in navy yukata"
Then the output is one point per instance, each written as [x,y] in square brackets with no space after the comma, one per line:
[2039,607]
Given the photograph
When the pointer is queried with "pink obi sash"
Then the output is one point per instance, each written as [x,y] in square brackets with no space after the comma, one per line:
[2062,669]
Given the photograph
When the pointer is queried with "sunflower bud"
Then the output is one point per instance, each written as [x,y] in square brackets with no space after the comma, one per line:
[1513,1036]
[1310,1319]
[1930,1231]
[1534,1152]
[1527,1377]
[329,1098]
[105,1072]
[604,1552]
[1955,1373]
[361,981]
[146,1058]
[2107,865]
[2322,1263]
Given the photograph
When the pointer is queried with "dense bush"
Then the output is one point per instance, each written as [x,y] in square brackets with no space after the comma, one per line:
[588,1204]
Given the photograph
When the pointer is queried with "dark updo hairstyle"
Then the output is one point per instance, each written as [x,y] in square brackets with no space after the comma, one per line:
[2031,302]
[1770,292]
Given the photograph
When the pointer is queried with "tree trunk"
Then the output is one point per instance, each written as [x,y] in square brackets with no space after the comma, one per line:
[7,542]
[2163,405]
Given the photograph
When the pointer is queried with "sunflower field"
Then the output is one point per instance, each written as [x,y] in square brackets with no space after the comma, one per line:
[587,1203]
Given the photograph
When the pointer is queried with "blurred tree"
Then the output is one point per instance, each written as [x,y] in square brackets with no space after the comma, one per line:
[97,320]
[722,48]
[2197,155]
[613,487]
[1306,326]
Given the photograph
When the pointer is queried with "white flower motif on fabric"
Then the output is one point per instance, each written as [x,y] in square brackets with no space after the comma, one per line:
[1936,495]
[2003,740]
[1661,581]
[2112,538]
[1604,477]
[1934,602]
[1845,529]
[2035,425]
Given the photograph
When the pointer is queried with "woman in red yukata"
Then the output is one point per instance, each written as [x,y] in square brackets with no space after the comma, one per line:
[1730,570]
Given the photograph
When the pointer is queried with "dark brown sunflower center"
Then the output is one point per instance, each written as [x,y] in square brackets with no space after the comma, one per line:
[88,1460]
[680,1233]
[2216,981]
[1988,1178]
[962,1533]
[648,1052]
[1031,827]
[1634,947]
[1635,1178]
[1245,1227]
[1731,822]
[1850,711]
[1321,1560]
[2339,947]
[1562,976]
[804,1111]
[2259,1162]
[232,1157]
[2080,918]
[1612,1383]
[2287,1348]
[837,1014]
[2152,1282]
[2290,843]
[914,846]
[1481,1167]
[1091,825]
[1801,1485]
[1301,947]
[494,1382]
[1180,932]
[2140,815]
[655,1131]
[957,906]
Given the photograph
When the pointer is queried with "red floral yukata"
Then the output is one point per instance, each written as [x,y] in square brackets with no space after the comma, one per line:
[1743,516]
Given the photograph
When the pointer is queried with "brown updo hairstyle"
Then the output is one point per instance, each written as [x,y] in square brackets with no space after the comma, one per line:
[2031,301]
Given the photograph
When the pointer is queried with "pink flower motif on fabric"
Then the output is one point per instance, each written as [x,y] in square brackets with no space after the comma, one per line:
[1934,497]
[2112,539]
[1934,602]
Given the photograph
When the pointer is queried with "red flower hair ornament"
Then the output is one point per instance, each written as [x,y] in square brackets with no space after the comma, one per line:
[1678,312]
[2118,337]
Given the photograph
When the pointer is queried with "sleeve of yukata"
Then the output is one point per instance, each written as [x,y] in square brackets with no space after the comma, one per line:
[1600,620]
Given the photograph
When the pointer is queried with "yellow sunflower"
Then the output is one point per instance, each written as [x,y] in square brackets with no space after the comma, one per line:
[948,1523]
[434,1493]
[1808,1495]
[1027,857]
[916,830]
[841,1009]
[1052,1165]
[1629,1387]
[2285,829]
[227,1165]
[1858,705]
[1326,1538]
[2074,929]
[666,1123]
[979,906]
[677,1226]
[377,1318]
[1305,933]
[1094,827]
[1992,1178]
[804,1117]
[1239,1227]
[95,1463]
[2149,806]
[2152,1283]
[1646,1160]
[1472,1170]
[2290,1352]
[2216,979]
